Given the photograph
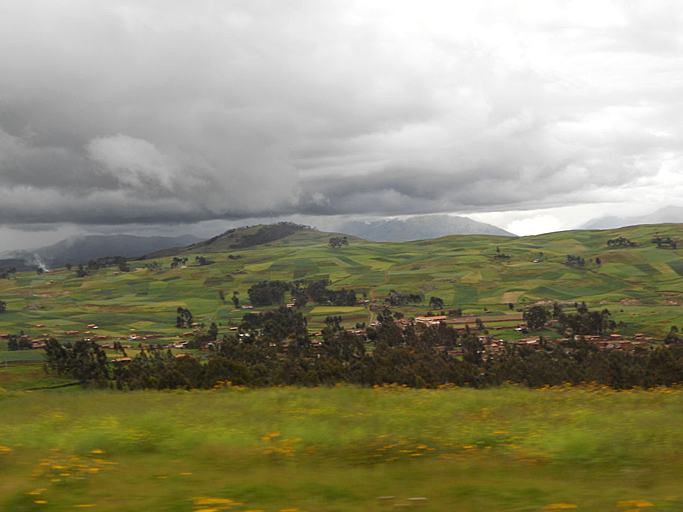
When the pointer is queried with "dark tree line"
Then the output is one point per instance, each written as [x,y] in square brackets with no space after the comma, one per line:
[582,322]
[272,293]
[280,352]
[86,362]
[268,293]
[575,261]
[620,242]
[318,292]
[107,261]
[18,342]
[395,298]
[664,242]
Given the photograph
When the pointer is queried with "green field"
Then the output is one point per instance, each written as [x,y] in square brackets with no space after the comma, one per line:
[341,449]
[641,286]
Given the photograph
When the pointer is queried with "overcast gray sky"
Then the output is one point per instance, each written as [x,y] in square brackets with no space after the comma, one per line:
[172,116]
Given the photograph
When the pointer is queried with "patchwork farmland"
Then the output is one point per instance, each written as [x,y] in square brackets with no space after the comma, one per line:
[344,447]
[642,285]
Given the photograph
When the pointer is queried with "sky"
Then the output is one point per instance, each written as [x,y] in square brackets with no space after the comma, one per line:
[174,117]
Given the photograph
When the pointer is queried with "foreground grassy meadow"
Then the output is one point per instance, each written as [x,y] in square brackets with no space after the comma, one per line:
[338,449]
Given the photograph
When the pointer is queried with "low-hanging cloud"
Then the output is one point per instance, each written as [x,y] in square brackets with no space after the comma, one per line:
[150,112]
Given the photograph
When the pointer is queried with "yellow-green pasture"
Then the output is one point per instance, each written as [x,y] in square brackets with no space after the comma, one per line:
[343,448]
[461,270]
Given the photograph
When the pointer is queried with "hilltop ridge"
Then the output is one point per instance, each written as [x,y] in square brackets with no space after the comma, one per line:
[250,236]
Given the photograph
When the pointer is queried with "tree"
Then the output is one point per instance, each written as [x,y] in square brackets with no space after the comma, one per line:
[201,261]
[81,272]
[3,306]
[236,299]
[178,261]
[40,271]
[123,267]
[336,242]
[267,293]
[86,361]
[557,311]
[68,266]
[221,295]
[184,318]
[536,317]
[89,363]
[436,302]
[598,261]
[213,331]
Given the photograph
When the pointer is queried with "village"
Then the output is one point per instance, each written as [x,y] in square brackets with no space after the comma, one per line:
[492,346]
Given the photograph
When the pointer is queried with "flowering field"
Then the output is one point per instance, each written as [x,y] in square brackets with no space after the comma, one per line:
[343,448]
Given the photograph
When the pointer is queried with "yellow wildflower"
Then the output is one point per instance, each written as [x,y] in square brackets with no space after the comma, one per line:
[634,504]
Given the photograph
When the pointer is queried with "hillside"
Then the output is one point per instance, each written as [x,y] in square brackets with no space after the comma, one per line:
[641,285]
[422,227]
[248,237]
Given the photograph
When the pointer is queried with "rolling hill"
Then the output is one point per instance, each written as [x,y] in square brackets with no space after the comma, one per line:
[249,237]
[484,275]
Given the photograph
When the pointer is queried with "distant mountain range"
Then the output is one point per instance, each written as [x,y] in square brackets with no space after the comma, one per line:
[81,249]
[663,215]
[422,227]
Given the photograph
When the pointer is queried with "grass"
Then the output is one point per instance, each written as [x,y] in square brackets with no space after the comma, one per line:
[459,269]
[16,377]
[340,449]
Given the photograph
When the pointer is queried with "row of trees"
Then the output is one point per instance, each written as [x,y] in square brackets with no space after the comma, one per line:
[18,342]
[581,322]
[664,242]
[279,352]
[317,291]
[269,293]
[620,241]
[575,261]
[394,298]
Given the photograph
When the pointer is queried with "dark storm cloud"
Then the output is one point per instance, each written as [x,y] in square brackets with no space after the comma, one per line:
[145,112]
